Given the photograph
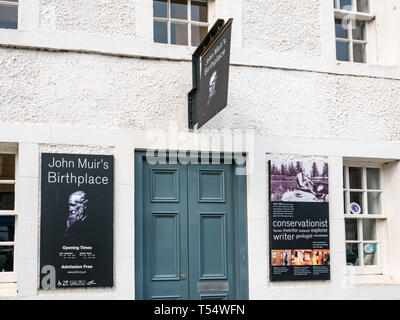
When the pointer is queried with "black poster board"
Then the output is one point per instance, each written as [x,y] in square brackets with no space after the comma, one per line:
[76,236]
[299,221]
[214,77]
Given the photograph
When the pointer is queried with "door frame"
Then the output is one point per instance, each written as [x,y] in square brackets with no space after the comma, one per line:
[240,221]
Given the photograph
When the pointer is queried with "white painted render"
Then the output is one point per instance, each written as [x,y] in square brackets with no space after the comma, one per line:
[114,18]
[85,77]
[283,26]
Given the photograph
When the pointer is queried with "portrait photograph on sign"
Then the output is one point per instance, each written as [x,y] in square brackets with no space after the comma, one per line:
[299,181]
[77,219]
[299,220]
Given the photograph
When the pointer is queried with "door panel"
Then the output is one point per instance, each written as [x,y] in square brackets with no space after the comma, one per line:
[211,185]
[213,256]
[165,246]
[164,185]
[165,231]
[211,230]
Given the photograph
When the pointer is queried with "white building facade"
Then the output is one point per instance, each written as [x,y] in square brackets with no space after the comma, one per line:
[88,77]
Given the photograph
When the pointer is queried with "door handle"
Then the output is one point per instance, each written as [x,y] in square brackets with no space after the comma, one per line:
[183,276]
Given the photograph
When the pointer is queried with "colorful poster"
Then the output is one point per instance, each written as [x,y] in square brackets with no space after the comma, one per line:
[299,221]
[76,238]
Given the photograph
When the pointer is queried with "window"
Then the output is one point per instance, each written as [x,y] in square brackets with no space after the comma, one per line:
[363,217]
[7,218]
[352,19]
[180,22]
[9,14]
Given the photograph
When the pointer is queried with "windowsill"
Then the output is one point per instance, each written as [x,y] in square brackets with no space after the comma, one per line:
[365,69]
[349,64]
[146,48]
[166,45]
[370,279]
[8,289]
[90,43]
[363,216]
[338,62]
[8,277]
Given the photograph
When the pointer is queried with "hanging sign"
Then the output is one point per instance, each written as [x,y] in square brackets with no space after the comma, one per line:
[299,221]
[76,237]
[214,78]
[210,75]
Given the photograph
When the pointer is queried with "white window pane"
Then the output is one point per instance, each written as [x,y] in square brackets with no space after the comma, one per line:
[359,52]
[6,197]
[369,229]
[179,34]
[352,254]
[7,227]
[373,178]
[334,4]
[356,203]
[346,4]
[7,167]
[363,6]
[351,227]
[160,30]
[179,9]
[359,30]
[198,34]
[199,11]
[8,17]
[355,176]
[6,258]
[374,203]
[341,29]
[342,51]
[370,254]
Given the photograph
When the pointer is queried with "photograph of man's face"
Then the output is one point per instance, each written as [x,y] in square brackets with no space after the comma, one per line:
[77,206]
[213,86]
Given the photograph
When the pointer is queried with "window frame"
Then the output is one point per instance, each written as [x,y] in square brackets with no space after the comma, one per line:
[352,17]
[380,219]
[189,22]
[11,277]
[351,41]
[11,4]
[354,8]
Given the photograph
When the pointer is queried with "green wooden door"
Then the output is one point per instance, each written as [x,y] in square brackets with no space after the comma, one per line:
[188,245]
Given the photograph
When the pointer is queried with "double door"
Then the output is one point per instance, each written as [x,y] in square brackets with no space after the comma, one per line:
[189,249]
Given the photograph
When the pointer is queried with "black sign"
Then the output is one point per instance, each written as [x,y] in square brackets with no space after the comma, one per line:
[214,77]
[76,237]
[210,64]
[299,221]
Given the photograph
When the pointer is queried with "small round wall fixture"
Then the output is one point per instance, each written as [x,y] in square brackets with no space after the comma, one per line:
[369,248]
[355,208]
